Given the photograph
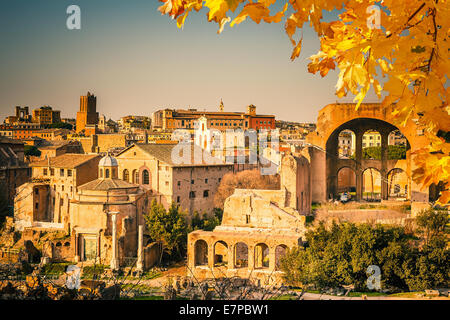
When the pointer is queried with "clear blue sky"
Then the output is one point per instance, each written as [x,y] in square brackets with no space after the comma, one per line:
[137,61]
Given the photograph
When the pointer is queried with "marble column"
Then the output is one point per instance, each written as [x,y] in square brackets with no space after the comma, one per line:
[114,257]
[140,253]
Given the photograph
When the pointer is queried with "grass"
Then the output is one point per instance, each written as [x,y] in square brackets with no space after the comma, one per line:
[284,297]
[145,298]
[369,294]
[90,271]
[55,268]
[407,294]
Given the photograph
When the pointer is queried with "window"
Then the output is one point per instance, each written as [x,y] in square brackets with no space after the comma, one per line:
[178,199]
[62,188]
[61,172]
[145,177]
[69,172]
[192,195]
[126,175]
[179,183]
[54,187]
[36,205]
[136,176]
[206,194]
[192,181]
[45,172]
[206,180]
[36,191]
[52,171]
[220,179]
[106,173]
[101,173]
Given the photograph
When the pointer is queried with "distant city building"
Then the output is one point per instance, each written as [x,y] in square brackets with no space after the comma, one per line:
[371,139]
[103,143]
[170,119]
[46,115]
[13,169]
[22,115]
[88,114]
[126,124]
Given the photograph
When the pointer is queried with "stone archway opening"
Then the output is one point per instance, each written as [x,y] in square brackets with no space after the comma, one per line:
[398,184]
[371,185]
[280,252]
[261,256]
[220,254]
[347,144]
[201,253]
[371,151]
[397,145]
[346,182]
[241,255]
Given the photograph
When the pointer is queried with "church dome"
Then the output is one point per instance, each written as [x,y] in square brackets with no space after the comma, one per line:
[108,161]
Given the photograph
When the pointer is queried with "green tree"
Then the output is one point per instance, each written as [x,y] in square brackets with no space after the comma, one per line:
[432,223]
[341,254]
[205,222]
[32,151]
[168,228]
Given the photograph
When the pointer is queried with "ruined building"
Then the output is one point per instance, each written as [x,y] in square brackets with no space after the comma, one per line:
[257,228]
[322,150]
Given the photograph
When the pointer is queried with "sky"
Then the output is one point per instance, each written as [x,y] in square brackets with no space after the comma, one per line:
[137,61]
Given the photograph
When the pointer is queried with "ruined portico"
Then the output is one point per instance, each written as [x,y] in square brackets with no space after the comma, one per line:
[258,226]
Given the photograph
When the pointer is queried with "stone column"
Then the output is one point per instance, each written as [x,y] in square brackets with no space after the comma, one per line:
[114,259]
[251,257]
[76,246]
[140,253]
[272,259]
[211,255]
[358,156]
[384,158]
[231,257]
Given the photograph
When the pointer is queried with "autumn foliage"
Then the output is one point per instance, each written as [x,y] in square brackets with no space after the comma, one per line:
[404,58]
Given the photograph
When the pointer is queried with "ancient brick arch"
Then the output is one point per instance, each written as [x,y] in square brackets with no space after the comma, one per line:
[334,164]
[322,149]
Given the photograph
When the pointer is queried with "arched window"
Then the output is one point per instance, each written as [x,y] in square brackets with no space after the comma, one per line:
[101,173]
[201,253]
[126,175]
[135,176]
[106,173]
[145,177]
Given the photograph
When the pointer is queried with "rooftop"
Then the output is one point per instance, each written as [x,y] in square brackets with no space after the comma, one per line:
[163,152]
[68,160]
[106,184]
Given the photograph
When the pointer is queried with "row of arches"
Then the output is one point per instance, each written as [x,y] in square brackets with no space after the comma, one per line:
[398,183]
[137,177]
[240,253]
[371,142]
